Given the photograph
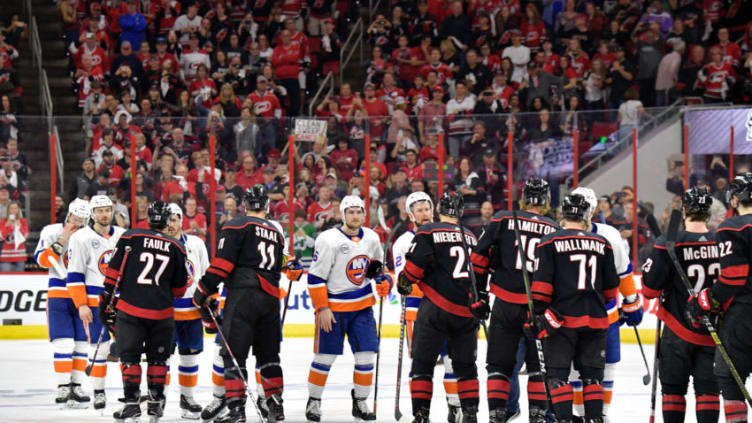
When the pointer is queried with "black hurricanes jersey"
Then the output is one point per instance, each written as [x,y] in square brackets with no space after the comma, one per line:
[154,273]
[734,236]
[497,252]
[698,256]
[438,262]
[576,276]
[249,253]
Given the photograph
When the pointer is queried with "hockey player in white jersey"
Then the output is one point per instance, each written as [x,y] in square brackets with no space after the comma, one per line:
[631,308]
[420,208]
[89,253]
[65,328]
[189,332]
[343,300]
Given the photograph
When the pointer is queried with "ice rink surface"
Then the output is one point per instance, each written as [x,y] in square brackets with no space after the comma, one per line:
[27,386]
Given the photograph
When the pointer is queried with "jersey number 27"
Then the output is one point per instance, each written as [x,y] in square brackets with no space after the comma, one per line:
[149,258]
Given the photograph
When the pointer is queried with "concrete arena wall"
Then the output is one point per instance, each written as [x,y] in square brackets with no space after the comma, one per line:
[23,305]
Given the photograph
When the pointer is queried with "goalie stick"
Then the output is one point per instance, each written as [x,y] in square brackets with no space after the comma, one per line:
[673,229]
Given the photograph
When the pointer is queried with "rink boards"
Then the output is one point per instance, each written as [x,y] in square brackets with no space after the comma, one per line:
[23,304]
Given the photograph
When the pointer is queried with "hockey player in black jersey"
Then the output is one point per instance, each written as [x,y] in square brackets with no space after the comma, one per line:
[497,254]
[250,256]
[686,347]
[574,279]
[438,262]
[732,293]
[149,270]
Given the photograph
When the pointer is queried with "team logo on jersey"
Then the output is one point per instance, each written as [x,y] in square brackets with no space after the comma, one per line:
[66,258]
[356,269]
[104,260]
[191,271]
[344,249]
[94,244]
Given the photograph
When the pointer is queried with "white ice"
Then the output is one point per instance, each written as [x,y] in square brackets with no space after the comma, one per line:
[27,386]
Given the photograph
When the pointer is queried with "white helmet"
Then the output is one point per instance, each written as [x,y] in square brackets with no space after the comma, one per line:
[175,209]
[80,208]
[99,201]
[350,201]
[590,197]
[416,197]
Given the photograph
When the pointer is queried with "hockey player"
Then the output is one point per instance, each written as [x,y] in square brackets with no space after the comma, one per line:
[343,298]
[249,260]
[686,347]
[89,252]
[65,328]
[148,269]
[497,253]
[574,280]
[189,332]
[420,210]
[732,293]
[631,307]
[439,263]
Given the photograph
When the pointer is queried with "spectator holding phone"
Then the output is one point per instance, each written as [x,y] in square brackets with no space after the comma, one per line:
[13,230]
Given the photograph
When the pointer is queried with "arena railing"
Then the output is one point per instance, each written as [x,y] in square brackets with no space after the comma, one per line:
[353,41]
[325,86]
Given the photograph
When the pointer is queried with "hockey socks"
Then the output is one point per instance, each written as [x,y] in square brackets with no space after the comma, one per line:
[592,395]
[318,374]
[497,387]
[63,360]
[363,373]
[450,383]
[131,381]
[80,357]
[561,398]
[736,411]
[421,391]
[707,408]
[99,365]
[218,374]
[156,377]
[270,375]
[467,389]
[188,373]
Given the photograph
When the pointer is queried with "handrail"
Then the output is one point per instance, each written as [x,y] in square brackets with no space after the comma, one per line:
[356,36]
[373,5]
[328,81]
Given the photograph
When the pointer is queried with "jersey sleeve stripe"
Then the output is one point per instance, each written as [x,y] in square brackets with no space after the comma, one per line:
[219,272]
[732,281]
[733,272]
[78,294]
[414,272]
[46,257]
[480,263]
[627,285]
[223,264]
[649,292]
[317,290]
[542,291]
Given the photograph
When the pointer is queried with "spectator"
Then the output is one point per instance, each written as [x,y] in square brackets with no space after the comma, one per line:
[115,173]
[492,177]
[81,184]
[249,175]
[458,111]
[14,229]
[730,50]
[8,122]
[85,75]
[475,72]
[133,25]
[344,158]
[432,114]
[268,108]
[595,81]
[620,77]
[70,20]
[457,26]
[538,84]
[230,210]
[141,220]
[246,131]
[688,84]
[668,75]
[412,168]
[467,181]
[322,208]
[544,129]
[188,23]
[4,200]
[716,77]
[286,60]
[486,214]
[375,108]
[649,52]
[126,59]
[191,59]
[304,234]
[194,223]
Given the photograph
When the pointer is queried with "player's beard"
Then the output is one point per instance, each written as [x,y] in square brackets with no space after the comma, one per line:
[104,221]
[353,228]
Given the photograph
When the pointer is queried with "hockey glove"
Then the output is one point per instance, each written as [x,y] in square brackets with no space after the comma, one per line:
[702,304]
[383,285]
[209,308]
[479,308]
[293,270]
[632,310]
[543,325]
[107,312]
[404,285]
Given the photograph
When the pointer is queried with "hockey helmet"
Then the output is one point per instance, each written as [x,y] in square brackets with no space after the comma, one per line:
[350,201]
[697,201]
[256,198]
[159,213]
[451,204]
[99,201]
[741,187]
[575,207]
[175,209]
[417,197]
[79,208]
[590,198]
[536,192]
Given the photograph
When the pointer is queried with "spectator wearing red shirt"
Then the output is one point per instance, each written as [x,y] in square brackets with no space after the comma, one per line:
[389,91]
[533,28]
[578,59]
[321,209]
[85,74]
[166,57]
[375,108]
[432,114]
[90,46]
[202,86]
[116,173]
[142,151]
[443,72]
[267,107]
[344,158]
[492,61]
[286,60]
[413,170]
[404,59]
[13,254]
[345,98]
[141,220]
[730,50]
[194,223]
[179,185]
[717,77]
[248,175]
[430,150]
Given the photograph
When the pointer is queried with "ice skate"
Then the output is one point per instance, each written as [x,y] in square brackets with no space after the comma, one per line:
[261,404]
[100,400]
[360,409]
[63,392]
[130,413]
[214,409]
[470,415]
[76,398]
[275,413]
[497,416]
[155,409]
[537,415]
[313,410]
[189,409]
[454,414]
[236,413]
[421,416]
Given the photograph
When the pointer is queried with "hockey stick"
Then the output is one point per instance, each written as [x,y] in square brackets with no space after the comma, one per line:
[646,377]
[673,228]
[526,282]
[287,300]
[235,362]
[375,268]
[656,358]
[403,323]
[90,366]
[473,286]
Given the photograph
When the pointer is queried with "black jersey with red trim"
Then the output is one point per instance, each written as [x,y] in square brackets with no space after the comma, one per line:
[698,257]
[734,236]
[154,273]
[497,252]
[249,253]
[438,263]
[576,276]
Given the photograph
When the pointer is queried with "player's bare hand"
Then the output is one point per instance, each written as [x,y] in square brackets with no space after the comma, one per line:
[326,320]
[68,229]
[84,312]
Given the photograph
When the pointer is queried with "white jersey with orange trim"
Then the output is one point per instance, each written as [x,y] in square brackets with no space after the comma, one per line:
[622,263]
[399,250]
[89,254]
[336,278]
[48,259]
[197,262]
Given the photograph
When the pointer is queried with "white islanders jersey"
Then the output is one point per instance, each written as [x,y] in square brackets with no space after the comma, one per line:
[88,258]
[197,260]
[45,257]
[621,261]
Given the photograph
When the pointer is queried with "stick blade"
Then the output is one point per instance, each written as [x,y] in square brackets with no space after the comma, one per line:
[673,225]
[397,415]
[646,380]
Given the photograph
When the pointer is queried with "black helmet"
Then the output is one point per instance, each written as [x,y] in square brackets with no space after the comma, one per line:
[696,202]
[536,192]
[159,215]
[451,204]
[256,198]
[741,187]
[575,207]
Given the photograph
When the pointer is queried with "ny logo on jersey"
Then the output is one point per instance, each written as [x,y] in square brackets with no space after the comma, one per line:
[191,269]
[356,269]
[104,260]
